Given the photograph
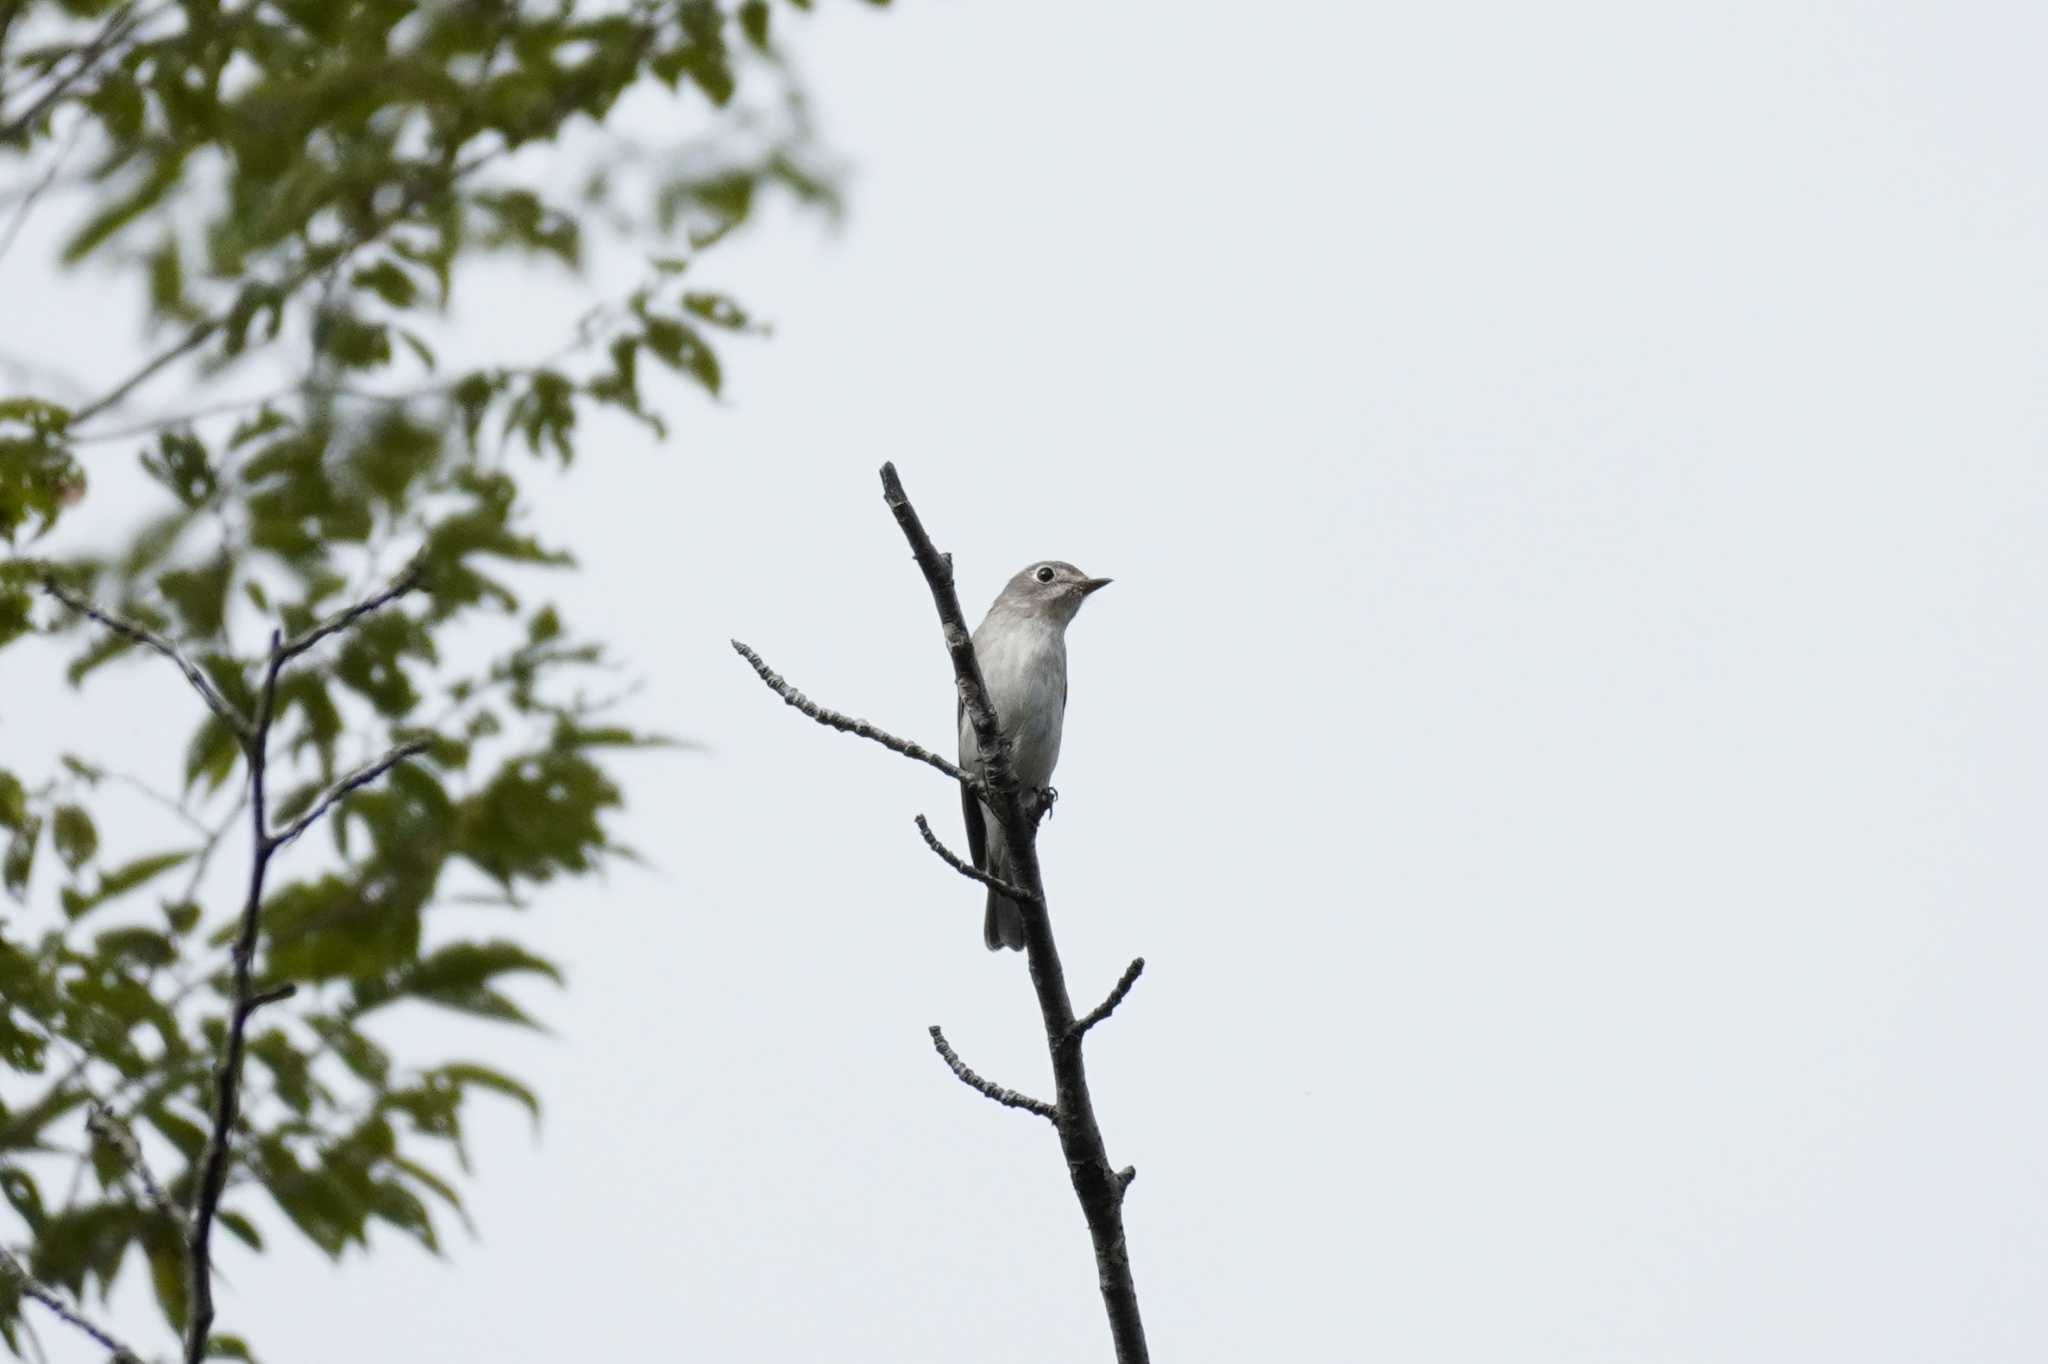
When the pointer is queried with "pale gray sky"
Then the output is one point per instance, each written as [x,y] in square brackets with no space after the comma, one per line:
[1566,735]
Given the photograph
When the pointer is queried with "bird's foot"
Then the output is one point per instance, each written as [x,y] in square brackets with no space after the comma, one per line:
[1043,800]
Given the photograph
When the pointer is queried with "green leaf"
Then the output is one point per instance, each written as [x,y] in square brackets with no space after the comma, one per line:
[387,281]
[135,945]
[167,1277]
[212,754]
[464,1073]
[537,817]
[38,476]
[754,22]
[180,464]
[244,1230]
[459,977]
[74,835]
[200,594]
[291,1072]
[13,801]
[123,211]
[680,348]
[187,1136]
[334,928]
[20,858]
[718,310]
[22,1195]
[369,1061]
[105,649]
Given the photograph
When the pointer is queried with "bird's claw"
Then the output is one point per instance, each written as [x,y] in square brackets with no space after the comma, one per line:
[1047,797]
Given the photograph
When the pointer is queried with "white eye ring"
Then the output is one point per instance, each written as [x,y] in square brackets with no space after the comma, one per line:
[1044,573]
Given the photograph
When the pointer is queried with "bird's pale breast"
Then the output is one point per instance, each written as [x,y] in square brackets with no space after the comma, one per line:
[1024,664]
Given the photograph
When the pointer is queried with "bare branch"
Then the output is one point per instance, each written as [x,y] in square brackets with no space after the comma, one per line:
[1008,1098]
[101,1122]
[846,723]
[34,1288]
[405,582]
[1097,1186]
[968,869]
[1108,1006]
[199,335]
[128,629]
[938,575]
[361,777]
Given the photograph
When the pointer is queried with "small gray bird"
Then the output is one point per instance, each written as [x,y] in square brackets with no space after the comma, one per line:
[1022,648]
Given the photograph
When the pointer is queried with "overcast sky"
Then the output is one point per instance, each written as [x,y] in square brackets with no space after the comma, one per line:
[1566,734]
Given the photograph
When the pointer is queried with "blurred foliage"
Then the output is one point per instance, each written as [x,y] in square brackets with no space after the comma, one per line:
[301,191]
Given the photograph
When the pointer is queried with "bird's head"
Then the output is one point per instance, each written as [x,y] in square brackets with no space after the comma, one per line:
[1051,588]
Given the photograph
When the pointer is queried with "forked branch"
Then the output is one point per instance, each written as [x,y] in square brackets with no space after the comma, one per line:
[246,996]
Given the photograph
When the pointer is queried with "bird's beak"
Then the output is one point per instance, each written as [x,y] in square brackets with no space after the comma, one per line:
[1093,585]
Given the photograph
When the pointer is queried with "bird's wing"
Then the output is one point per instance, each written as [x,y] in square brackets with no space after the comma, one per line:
[970,808]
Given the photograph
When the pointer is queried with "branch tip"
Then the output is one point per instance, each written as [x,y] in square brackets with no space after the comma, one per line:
[31,1287]
[276,995]
[1008,1098]
[361,777]
[237,724]
[969,870]
[1108,1006]
[845,724]
[101,1122]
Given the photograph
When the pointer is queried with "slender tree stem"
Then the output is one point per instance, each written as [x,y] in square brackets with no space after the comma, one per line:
[1097,1185]
[227,1076]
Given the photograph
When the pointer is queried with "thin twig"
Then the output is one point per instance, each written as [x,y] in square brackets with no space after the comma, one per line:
[1008,1098]
[128,629]
[846,723]
[276,995]
[123,22]
[968,869]
[101,1122]
[288,284]
[36,191]
[156,797]
[362,776]
[32,1287]
[341,620]
[1108,1006]
[185,418]
[199,335]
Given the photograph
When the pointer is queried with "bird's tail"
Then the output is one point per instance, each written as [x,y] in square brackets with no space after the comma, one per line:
[1002,925]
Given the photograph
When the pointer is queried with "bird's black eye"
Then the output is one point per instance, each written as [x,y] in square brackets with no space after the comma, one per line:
[1044,573]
